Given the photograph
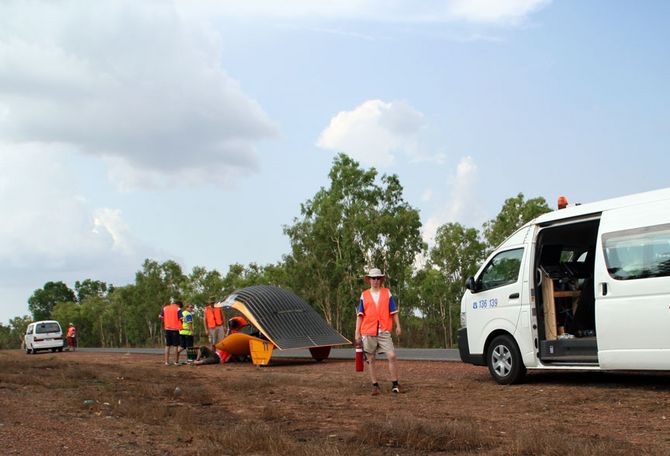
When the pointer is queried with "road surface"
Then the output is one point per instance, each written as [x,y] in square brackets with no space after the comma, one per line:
[416,354]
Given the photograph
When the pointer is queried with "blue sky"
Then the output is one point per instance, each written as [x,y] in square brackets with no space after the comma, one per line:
[193,130]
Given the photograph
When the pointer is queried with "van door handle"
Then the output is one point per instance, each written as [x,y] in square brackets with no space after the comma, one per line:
[514,296]
[604,288]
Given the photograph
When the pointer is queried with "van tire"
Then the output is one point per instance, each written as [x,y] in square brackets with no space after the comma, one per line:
[504,361]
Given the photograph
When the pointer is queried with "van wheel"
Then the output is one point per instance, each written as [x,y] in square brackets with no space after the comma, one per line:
[504,361]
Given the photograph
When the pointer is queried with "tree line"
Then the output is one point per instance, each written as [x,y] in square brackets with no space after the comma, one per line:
[360,220]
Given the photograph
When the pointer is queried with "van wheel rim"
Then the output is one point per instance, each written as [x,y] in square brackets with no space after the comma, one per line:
[502,360]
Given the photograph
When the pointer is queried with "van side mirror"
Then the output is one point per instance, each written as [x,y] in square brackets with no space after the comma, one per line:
[470,284]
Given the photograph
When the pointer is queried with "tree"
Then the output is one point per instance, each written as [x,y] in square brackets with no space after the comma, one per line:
[358,222]
[155,286]
[91,287]
[513,215]
[456,255]
[43,300]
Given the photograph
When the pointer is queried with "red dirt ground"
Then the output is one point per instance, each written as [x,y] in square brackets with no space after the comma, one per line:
[127,404]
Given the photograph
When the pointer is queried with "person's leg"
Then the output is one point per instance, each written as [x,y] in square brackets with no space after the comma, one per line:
[370,347]
[167,354]
[393,366]
[371,365]
[218,334]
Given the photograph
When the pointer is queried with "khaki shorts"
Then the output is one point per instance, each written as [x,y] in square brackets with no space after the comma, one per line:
[381,343]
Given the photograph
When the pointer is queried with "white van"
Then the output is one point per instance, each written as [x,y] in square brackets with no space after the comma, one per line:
[43,335]
[586,287]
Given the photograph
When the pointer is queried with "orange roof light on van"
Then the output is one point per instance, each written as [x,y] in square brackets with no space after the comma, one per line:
[562,202]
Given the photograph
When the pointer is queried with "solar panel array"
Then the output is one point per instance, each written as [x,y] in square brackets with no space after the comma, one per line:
[287,319]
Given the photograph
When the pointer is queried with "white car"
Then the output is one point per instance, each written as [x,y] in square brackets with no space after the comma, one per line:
[44,335]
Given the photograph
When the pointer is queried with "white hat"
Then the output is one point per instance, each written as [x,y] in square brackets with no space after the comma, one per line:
[374,272]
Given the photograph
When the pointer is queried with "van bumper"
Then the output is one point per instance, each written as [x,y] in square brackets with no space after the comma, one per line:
[464,349]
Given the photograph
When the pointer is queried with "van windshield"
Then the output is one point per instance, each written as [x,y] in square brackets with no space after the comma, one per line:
[44,328]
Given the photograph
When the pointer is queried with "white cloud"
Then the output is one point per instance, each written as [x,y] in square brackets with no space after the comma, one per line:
[462,206]
[133,83]
[374,132]
[487,11]
[49,229]
[495,11]
[427,195]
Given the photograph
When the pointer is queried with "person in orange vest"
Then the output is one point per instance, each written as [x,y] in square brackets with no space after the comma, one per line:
[235,324]
[376,315]
[71,337]
[172,323]
[214,323]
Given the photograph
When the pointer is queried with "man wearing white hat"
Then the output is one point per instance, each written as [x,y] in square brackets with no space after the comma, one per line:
[376,315]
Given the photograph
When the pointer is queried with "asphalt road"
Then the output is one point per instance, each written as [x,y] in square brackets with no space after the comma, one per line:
[416,354]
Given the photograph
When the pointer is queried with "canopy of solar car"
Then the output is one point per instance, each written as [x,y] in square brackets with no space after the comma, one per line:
[283,318]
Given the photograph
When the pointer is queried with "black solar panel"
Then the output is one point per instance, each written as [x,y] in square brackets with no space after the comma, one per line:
[288,320]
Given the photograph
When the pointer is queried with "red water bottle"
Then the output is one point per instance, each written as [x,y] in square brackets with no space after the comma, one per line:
[359,358]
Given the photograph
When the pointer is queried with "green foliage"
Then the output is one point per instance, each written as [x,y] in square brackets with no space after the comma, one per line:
[360,220]
[44,299]
[440,284]
[11,336]
[91,287]
[356,223]
[513,215]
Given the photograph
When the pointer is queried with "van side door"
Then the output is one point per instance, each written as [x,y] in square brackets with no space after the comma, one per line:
[632,287]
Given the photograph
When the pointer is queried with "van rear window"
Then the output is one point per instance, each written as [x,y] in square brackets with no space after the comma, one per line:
[44,328]
[638,254]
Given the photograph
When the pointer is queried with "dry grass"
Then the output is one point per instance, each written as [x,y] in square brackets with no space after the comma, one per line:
[414,433]
[562,442]
[325,410]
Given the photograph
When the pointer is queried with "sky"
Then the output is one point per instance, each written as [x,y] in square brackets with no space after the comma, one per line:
[192,130]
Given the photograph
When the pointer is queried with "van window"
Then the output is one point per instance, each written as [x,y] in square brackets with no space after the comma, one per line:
[502,270]
[44,328]
[29,329]
[639,253]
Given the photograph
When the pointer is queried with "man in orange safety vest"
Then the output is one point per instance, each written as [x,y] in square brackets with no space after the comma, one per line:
[214,323]
[376,315]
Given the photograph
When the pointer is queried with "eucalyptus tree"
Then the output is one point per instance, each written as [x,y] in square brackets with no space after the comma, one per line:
[43,300]
[514,213]
[155,286]
[456,255]
[90,287]
[359,221]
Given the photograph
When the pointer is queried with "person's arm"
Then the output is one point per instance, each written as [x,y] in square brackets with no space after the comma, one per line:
[396,321]
[393,308]
[359,320]
[357,334]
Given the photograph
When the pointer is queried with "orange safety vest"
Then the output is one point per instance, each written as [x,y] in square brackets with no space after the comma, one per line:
[241,323]
[376,317]
[171,319]
[71,331]
[213,317]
